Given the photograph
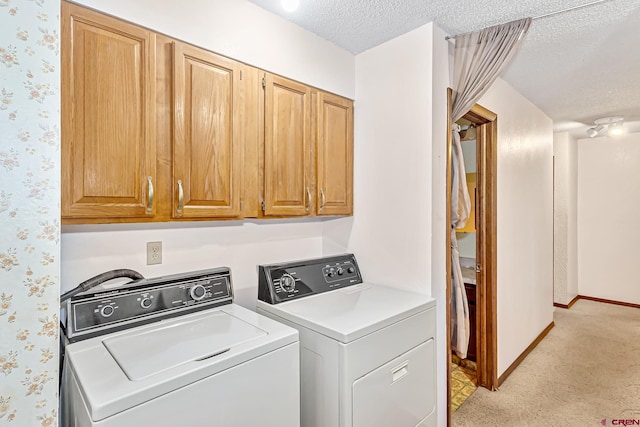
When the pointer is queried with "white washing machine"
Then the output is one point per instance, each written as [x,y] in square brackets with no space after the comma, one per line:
[367,352]
[175,351]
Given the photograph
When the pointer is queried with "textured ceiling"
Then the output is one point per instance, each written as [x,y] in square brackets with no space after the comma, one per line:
[576,66]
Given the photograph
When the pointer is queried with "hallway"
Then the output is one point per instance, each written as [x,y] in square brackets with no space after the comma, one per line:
[586,370]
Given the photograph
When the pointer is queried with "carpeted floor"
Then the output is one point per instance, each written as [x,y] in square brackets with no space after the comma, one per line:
[585,371]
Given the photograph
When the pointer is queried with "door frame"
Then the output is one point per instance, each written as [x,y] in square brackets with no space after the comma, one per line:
[486,226]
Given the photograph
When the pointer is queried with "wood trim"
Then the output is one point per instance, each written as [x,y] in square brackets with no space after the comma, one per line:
[448,252]
[252,101]
[491,250]
[480,115]
[486,227]
[164,126]
[608,301]
[525,353]
[567,306]
[602,300]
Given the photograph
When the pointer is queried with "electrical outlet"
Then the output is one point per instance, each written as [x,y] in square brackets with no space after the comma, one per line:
[154,253]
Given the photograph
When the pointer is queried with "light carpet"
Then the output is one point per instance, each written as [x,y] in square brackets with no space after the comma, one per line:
[584,372]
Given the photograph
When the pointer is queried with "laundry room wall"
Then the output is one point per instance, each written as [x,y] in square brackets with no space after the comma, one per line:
[565,222]
[398,228]
[525,220]
[240,245]
[29,212]
[608,206]
[245,32]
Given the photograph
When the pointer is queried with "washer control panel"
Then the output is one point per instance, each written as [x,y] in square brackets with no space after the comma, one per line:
[148,298]
[287,281]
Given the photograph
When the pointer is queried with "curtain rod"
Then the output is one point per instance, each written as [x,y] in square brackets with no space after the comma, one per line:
[546,15]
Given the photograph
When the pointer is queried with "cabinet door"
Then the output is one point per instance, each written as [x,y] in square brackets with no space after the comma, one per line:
[287,162]
[108,110]
[206,146]
[334,155]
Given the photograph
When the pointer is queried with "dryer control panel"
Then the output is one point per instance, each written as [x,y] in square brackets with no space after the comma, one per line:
[288,281]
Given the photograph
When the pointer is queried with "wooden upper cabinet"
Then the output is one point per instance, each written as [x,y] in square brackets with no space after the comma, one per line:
[207,151]
[287,140]
[108,111]
[334,155]
[154,129]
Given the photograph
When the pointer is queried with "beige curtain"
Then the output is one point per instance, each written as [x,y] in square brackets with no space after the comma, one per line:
[479,58]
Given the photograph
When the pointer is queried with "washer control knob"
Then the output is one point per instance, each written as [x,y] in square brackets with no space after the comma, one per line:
[197,292]
[287,282]
[146,302]
[340,271]
[107,311]
[350,270]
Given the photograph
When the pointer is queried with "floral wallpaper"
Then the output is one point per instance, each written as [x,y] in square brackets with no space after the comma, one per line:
[29,211]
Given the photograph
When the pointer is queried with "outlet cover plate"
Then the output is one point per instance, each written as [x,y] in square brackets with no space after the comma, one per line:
[154,253]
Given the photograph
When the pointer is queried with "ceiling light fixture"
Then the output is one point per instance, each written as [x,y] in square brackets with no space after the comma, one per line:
[593,132]
[613,126]
[615,129]
[290,5]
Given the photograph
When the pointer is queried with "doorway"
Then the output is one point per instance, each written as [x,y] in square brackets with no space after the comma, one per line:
[484,123]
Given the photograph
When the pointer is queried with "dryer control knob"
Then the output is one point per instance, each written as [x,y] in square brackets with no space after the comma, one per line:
[340,271]
[197,292]
[287,282]
[350,270]
[146,302]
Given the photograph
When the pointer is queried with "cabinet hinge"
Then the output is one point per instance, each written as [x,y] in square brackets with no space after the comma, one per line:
[240,74]
[264,206]
[240,205]
[264,82]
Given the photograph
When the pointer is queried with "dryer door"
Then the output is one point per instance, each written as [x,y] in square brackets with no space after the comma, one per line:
[400,393]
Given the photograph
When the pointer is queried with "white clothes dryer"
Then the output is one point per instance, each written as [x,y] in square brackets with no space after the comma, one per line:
[175,351]
[367,352]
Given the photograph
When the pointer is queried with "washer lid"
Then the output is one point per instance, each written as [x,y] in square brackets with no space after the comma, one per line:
[353,312]
[124,369]
[141,354]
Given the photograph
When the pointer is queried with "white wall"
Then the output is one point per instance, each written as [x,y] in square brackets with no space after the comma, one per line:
[572,213]
[243,31]
[525,220]
[467,241]
[392,171]
[466,245]
[565,266]
[469,154]
[608,206]
[240,245]
[398,230]
[439,250]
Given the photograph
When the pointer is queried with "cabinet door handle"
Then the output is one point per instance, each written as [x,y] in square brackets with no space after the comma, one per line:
[324,200]
[150,194]
[180,196]
[308,199]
